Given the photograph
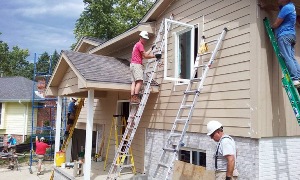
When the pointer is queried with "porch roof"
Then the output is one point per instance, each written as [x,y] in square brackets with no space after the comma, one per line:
[101,73]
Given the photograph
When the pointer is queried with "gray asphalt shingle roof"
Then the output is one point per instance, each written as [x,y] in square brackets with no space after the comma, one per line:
[99,68]
[15,88]
[99,41]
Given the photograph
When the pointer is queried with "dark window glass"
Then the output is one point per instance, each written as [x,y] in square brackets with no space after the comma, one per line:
[198,158]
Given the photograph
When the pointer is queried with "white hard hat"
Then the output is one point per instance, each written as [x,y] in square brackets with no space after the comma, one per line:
[9,135]
[144,34]
[42,139]
[212,126]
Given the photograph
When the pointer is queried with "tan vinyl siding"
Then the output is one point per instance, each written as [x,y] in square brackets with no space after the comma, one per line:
[69,82]
[226,93]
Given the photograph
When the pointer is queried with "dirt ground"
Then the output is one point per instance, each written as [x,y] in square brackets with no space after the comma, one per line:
[23,172]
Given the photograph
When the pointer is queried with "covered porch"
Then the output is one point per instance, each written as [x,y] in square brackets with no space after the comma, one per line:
[102,81]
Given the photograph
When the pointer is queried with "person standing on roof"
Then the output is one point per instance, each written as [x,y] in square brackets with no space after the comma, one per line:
[285,32]
[71,115]
[40,151]
[136,66]
[225,156]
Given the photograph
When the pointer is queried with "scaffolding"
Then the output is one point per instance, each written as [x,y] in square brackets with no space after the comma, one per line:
[43,110]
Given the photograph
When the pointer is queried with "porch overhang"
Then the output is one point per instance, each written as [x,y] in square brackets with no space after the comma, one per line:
[101,89]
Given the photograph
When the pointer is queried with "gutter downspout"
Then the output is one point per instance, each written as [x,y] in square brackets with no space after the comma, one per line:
[26,120]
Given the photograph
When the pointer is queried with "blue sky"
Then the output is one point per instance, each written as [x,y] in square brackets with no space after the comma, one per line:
[39,25]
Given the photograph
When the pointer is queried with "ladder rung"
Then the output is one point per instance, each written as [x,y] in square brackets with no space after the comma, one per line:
[127,165]
[181,120]
[164,165]
[191,92]
[186,106]
[169,149]
[201,65]
[175,134]
[196,79]
[215,40]
[203,54]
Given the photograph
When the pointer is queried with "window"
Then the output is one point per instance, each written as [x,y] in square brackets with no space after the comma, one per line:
[196,157]
[1,141]
[180,56]
[184,57]
[0,112]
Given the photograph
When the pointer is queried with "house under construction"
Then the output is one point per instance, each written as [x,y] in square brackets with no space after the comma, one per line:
[242,89]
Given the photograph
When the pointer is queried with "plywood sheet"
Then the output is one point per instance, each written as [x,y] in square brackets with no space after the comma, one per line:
[184,171]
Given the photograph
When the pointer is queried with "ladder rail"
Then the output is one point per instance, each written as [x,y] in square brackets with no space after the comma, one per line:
[114,169]
[195,92]
[136,112]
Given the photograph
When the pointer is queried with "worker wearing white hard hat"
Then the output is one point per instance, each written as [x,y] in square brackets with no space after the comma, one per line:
[225,155]
[136,65]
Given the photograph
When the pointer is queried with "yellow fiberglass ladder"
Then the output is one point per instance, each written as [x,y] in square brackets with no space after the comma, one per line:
[117,129]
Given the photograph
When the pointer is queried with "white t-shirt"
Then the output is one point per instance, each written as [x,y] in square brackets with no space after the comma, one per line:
[226,146]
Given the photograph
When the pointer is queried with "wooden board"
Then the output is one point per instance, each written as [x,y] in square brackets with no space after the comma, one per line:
[184,171]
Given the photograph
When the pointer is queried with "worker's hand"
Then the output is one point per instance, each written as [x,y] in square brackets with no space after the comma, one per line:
[158,56]
[261,4]
[153,46]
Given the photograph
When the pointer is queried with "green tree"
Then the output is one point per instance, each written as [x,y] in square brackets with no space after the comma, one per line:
[13,62]
[43,63]
[105,19]
[54,59]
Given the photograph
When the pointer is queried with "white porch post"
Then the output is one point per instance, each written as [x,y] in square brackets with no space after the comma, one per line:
[89,135]
[58,124]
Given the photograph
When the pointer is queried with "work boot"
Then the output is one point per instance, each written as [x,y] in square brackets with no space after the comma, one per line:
[136,99]
[66,135]
[131,98]
[296,83]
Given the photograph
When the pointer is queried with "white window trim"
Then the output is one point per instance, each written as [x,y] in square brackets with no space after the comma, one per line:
[2,140]
[191,151]
[189,27]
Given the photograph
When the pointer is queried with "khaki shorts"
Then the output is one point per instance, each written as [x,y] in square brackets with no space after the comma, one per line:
[40,157]
[136,71]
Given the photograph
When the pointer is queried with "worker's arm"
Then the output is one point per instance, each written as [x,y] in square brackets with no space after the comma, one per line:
[277,23]
[148,54]
[36,138]
[230,165]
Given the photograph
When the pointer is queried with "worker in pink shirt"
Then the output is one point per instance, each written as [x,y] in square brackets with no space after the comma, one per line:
[136,66]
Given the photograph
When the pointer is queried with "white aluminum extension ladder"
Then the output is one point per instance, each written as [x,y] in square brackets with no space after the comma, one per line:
[175,138]
[137,110]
